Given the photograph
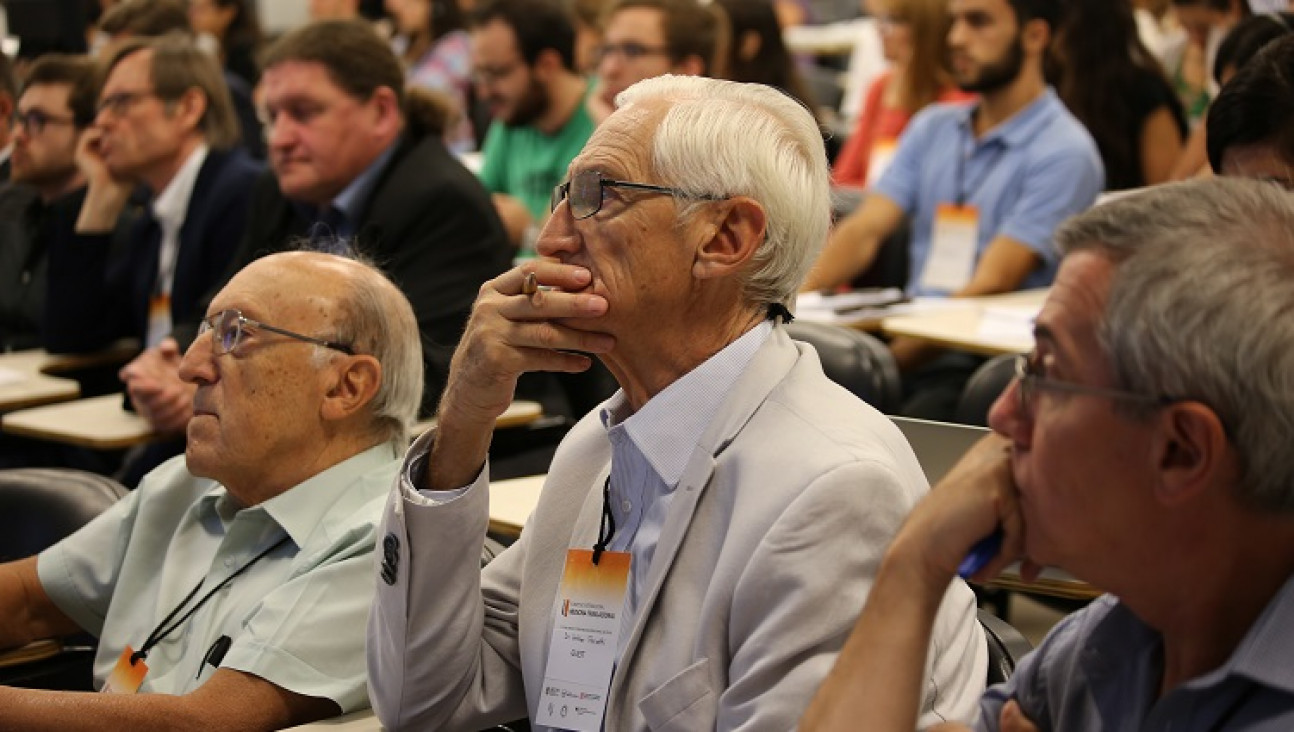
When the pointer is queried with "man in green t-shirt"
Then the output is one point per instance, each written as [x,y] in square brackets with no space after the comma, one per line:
[523,61]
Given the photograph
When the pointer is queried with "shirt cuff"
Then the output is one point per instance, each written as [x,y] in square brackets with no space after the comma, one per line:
[414,474]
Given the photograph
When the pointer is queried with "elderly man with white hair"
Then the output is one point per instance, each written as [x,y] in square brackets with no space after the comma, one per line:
[230,589]
[705,538]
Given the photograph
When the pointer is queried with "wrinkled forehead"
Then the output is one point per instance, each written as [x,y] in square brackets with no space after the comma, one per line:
[621,147]
[288,288]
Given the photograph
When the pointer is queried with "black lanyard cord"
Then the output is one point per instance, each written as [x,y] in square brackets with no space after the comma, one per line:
[165,627]
[607,527]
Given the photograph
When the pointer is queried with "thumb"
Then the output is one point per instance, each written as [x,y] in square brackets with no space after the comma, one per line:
[1012,719]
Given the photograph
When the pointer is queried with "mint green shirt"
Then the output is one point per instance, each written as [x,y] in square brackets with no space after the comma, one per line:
[296,618]
[525,163]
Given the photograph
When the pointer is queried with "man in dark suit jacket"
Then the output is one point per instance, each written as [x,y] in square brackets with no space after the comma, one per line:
[164,137]
[359,166]
[43,200]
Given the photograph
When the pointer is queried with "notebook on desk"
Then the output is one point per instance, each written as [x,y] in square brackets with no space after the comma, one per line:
[938,445]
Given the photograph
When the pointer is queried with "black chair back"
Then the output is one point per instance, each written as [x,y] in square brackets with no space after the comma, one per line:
[855,360]
[40,506]
[983,388]
[1006,646]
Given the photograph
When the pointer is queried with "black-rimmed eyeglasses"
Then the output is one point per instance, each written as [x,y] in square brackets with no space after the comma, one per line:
[34,121]
[1031,380]
[228,326]
[585,189]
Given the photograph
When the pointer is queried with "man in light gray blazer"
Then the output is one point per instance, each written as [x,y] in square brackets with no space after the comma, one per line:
[706,537]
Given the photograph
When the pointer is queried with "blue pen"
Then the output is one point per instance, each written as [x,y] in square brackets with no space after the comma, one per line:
[980,554]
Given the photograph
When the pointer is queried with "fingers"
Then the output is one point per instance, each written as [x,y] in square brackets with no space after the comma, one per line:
[1012,719]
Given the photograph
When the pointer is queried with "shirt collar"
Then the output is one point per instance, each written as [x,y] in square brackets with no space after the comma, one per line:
[670,424]
[1022,126]
[301,508]
[350,202]
[1264,653]
[172,203]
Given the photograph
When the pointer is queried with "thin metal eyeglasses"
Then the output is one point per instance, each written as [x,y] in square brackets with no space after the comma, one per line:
[33,121]
[630,51]
[227,328]
[585,192]
[1030,380]
[120,102]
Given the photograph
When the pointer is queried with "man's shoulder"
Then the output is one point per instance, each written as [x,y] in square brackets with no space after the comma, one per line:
[1060,133]
[940,118]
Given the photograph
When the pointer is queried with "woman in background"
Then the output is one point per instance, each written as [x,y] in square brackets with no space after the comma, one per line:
[434,45]
[1116,88]
[233,24]
[914,40]
[756,52]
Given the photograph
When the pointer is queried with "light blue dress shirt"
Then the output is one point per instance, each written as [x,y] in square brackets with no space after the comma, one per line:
[296,618]
[1024,176]
[650,449]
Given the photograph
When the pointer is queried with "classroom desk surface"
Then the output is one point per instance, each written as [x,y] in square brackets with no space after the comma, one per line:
[512,501]
[1052,583]
[518,413]
[99,423]
[362,721]
[31,378]
[989,326]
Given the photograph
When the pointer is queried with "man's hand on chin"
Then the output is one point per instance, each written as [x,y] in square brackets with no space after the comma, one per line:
[153,382]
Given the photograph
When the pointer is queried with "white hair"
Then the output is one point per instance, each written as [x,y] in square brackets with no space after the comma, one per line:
[726,138]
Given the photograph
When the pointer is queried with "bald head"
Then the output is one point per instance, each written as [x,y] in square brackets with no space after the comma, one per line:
[313,359]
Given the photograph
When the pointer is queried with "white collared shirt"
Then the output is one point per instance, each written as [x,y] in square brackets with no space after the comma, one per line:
[169,209]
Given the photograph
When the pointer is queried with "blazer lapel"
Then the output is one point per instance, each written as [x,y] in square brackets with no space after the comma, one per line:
[766,370]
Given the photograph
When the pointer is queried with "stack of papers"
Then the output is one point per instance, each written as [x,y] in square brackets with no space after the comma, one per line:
[1008,323]
[847,307]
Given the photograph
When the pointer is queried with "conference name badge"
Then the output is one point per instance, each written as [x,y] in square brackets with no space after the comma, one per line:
[951,260]
[126,677]
[586,634]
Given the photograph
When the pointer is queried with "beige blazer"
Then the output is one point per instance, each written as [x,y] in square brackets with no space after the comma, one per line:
[772,540]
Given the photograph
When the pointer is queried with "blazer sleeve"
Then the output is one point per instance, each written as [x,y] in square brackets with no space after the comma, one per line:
[442,635]
[799,597]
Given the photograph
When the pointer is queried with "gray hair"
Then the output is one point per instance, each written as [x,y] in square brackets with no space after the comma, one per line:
[1199,308]
[725,138]
[377,319]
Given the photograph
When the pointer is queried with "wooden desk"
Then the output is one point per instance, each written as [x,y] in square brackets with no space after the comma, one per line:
[98,423]
[961,325]
[517,414]
[31,378]
[362,721]
[1052,583]
[512,501]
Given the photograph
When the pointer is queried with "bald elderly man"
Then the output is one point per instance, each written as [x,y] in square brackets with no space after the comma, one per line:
[242,570]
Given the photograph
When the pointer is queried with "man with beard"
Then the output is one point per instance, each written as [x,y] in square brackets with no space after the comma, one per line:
[523,60]
[54,110]
[984,183]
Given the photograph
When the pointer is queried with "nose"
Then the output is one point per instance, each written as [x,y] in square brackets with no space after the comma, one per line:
[199,363]
[279,132]
[1008,418]
[956,34]
[559,234]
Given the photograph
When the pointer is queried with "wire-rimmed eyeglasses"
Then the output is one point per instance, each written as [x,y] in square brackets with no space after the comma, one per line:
[585,189]
[1031,381]
[228,326]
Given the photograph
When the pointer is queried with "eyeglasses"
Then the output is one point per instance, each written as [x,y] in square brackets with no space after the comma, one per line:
[121,102]
[1028,373]
[492,74]
[228,326]
[585,191]
[630,51]
[33,121]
